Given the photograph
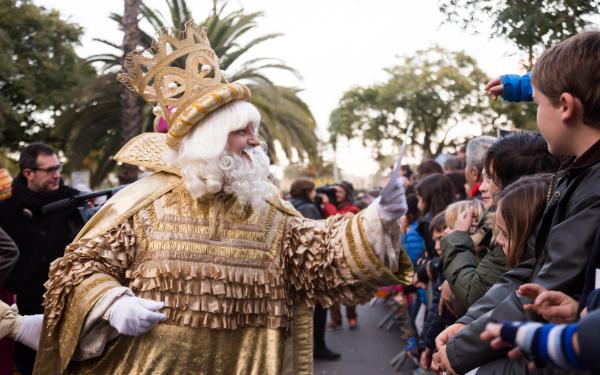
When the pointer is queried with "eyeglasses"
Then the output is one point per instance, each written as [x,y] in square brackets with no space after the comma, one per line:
[54,168]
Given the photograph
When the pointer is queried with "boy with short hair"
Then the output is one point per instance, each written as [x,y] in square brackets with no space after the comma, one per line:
[566,89]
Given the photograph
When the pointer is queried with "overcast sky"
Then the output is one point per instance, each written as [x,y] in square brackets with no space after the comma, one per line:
[334,44]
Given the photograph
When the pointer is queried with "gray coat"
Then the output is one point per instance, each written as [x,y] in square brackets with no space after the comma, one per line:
[558,253]
[9,253]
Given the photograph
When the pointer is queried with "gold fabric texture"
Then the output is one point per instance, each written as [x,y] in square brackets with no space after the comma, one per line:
[236,284]
[169,349]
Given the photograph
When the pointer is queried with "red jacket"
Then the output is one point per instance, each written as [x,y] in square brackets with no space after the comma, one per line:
[330,210]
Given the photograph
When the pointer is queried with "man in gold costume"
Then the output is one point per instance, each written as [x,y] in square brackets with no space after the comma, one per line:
[200,267]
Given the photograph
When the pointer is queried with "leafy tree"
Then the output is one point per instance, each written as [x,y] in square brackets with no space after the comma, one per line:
[38,70]
[530,24]
[435,89]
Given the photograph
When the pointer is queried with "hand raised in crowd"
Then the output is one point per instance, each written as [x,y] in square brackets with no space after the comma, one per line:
[446,300]
[494,88]
[553,306]
[465,221]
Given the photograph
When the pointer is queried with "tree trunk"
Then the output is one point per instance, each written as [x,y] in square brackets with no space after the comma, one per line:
[130,106]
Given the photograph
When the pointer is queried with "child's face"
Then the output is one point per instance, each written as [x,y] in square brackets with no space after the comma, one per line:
[502,237]
[550,123]
[437,236]
[488,189]
[420,204]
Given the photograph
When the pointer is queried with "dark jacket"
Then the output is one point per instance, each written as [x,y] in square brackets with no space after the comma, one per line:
[434,323]
[307,208]
[40,238]
[469,276]
[557,258]
[9,253]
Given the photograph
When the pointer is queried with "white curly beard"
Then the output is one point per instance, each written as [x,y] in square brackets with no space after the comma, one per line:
[246,178]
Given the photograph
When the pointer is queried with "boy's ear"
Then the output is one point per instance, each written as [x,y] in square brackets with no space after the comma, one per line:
[570,107]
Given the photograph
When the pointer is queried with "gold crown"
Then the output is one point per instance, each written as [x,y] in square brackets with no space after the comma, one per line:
[180,75]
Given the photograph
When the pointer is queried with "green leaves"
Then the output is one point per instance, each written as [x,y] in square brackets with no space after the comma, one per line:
[38,70]
[435,89]
[531,24]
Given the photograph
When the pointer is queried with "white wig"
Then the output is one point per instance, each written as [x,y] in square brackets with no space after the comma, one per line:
[209,137]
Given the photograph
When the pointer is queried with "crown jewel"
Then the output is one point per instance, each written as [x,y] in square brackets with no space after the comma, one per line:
[180,74]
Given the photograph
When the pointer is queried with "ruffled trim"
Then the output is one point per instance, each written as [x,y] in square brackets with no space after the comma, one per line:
[315,264]
[109,253]
[213,295]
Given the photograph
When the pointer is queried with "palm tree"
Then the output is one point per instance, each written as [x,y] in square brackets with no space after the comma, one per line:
[130,106]
[286,118]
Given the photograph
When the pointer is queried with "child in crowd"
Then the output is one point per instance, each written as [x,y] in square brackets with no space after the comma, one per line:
[565,81]
[519,209]
[431,271]
[434,194]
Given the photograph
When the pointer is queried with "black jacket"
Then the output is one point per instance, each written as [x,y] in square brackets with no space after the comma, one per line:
[558,254]
[307,208]
[40,239]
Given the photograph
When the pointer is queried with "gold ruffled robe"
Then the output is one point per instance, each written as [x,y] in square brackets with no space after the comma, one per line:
[238,285]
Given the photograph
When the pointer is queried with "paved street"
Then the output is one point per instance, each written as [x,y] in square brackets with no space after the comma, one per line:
[367,350]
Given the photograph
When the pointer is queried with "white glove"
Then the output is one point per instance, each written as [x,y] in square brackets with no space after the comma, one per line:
[133,316]
[392,202]
[30,330]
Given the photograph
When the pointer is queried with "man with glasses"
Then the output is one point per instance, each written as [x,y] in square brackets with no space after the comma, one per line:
[41,238]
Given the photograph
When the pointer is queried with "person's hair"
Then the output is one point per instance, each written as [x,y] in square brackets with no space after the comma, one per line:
[429,167]
[458,182]
[438,223]
[436,192]
[412,203]
[454,164]
[517,155]
[208,139]
[301,187]
[454,210]
[571,66]
[349,189]
[29,155]
[476,150]
[408,172]
[521,205]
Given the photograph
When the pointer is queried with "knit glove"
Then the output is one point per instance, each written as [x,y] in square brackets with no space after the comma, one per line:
[133,316]
[543,343]
[392,202]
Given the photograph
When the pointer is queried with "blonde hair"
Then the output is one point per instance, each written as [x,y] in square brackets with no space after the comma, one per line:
[454,210]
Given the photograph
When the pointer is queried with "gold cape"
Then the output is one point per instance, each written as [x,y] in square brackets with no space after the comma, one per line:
[238,285]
